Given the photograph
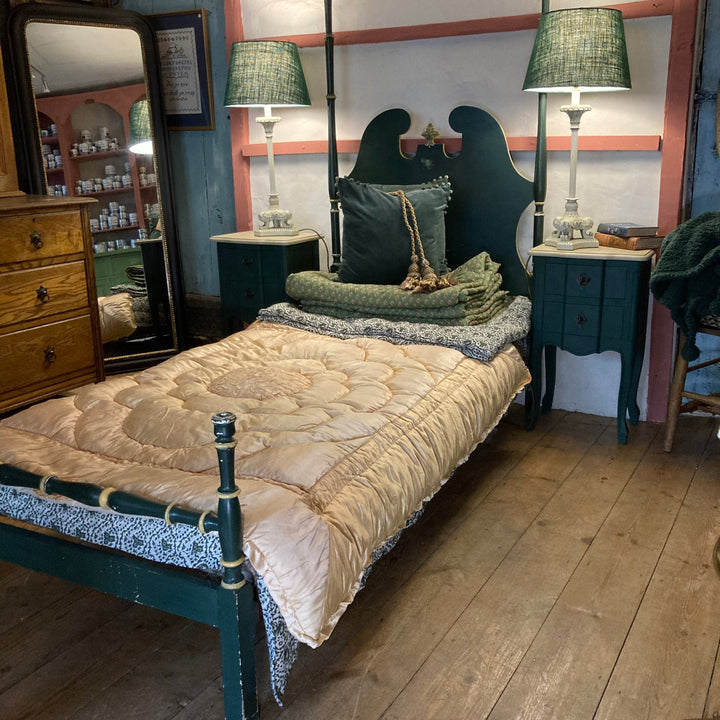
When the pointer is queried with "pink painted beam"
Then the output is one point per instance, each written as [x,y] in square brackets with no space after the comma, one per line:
[678,98]
[239,132]
[479,26]
[516,144]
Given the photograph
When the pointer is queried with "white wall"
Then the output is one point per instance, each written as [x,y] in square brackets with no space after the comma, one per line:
[429,78]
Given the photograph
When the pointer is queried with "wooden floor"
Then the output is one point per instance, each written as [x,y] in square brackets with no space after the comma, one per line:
[557,575]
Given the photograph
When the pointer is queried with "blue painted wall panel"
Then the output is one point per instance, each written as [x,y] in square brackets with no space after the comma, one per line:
[706,180]
[202,163]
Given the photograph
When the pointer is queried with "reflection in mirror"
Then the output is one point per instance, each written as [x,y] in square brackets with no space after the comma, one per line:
[88,81]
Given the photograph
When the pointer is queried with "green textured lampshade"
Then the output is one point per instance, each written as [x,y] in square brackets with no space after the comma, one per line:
[141,136]
[580,48]
[265,72]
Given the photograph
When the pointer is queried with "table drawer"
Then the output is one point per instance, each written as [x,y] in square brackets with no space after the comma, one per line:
[41,354]
[42,292]
[246,294]
[582,319]
[619,279]
[39,236]
[246,263]
[584,280]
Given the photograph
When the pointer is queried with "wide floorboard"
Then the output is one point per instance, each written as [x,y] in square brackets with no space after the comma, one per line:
[556,575]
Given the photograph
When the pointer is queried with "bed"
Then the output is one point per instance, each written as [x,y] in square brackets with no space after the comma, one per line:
[117,318]
[328,436]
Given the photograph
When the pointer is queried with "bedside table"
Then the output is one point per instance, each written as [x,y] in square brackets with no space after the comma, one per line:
[253,271]
[588,301]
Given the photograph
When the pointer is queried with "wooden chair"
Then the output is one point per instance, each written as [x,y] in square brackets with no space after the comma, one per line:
[695,401]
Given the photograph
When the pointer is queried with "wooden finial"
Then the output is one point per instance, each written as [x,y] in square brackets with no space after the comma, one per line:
[430,133]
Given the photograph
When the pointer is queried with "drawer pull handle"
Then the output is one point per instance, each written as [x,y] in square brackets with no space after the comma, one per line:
[50,355]
[583,280]
[250,293]
[247,261]
[43,294]
[581,319]
[36,239]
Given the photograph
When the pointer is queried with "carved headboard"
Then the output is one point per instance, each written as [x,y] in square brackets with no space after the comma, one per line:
[488,193]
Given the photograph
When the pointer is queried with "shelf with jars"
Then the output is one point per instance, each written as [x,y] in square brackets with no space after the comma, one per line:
[110,191]
[96,155]
[52,156]
[115,229]
[90,132]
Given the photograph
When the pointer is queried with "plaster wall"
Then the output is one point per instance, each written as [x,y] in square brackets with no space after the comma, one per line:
[429,78]
[706,178]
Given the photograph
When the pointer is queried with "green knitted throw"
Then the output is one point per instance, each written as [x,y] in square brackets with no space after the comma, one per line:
[686,278]
[474,298]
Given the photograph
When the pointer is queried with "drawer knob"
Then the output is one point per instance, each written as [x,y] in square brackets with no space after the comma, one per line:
[50,355]
[250,293]
[581,319]
[43,294]
[583,280]
[36,239]
[247,261]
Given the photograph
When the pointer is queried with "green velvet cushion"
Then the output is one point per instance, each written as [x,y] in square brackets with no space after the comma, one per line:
[376,243]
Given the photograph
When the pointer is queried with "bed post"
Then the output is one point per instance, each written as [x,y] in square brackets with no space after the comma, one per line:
[540,178]
[236,606]
[332,138]
[539,192]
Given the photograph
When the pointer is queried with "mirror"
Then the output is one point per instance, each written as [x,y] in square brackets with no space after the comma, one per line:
[82,74]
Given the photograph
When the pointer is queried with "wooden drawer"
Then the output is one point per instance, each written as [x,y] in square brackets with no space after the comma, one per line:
[582,320]
[584,280]
[39,236]
[619,280]
[42,354]
[41,292]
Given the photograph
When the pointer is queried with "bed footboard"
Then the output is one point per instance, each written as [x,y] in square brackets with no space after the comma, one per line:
[227,603]
[236,604]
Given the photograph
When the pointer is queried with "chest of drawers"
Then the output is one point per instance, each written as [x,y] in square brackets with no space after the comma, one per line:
[49,326]
[589,301]
[253,271]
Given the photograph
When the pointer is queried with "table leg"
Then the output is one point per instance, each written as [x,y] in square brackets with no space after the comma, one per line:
[633,407]
[626,373]
[550,372]
[534,390]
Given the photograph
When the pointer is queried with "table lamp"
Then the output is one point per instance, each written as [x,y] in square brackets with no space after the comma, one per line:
[266,73]
[141,136]
[577,50]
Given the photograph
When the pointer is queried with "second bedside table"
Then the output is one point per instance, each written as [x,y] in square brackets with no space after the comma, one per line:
[253,271]
[588,301]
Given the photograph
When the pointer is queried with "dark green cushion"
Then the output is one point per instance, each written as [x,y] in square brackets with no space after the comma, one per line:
[376,243]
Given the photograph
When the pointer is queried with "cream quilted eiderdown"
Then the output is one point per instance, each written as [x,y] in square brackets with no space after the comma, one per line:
[339,442]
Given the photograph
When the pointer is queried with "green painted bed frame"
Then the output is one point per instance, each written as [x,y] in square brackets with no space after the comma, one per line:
[228,602]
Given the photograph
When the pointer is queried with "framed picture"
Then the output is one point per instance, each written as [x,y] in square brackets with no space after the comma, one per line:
[185,69]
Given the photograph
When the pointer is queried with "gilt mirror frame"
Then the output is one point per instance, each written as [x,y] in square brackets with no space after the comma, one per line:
[29,131]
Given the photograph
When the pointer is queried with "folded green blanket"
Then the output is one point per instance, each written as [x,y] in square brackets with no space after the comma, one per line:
[686,278]
[454,315]
[475,297]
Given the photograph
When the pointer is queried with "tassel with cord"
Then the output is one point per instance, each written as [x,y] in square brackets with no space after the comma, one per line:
[421,278]
[413,276]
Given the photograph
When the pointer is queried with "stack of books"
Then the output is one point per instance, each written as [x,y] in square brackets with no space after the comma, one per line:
[628,236]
